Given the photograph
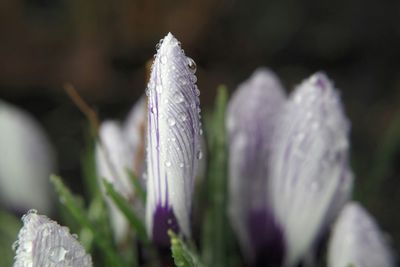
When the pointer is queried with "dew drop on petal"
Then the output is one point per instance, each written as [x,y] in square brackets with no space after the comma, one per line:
[183,116]
[199,154]
[178,97]
[168,163]
[192,65]
[171,121]
[197,91]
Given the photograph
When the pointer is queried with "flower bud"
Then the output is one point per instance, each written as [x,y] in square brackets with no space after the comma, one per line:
[357,240]
[173,141]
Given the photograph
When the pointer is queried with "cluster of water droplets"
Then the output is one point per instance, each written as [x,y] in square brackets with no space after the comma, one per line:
[42,242]
[176,87]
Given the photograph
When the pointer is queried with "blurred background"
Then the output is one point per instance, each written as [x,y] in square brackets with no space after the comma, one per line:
[102,46]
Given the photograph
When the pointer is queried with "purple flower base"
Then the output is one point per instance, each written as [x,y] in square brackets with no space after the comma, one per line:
[164,219]
[266,237]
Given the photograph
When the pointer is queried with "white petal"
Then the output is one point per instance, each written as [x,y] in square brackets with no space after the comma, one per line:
[42,242]
[27,161]
[309,173]
[357,240]
[134,130]
[173,133]
[251,119]
[113,158]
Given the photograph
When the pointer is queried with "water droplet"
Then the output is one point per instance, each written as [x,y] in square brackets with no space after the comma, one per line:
[15,245]
[192,65]
[57,254]
[199,154]
[196,90]
[32,211]
[147,91]
[168,163]
[163,59]
[178,97]
[201,131]
[181,165]
[171,121]
[194,78]
[75,236]
[183,116]
[159,89]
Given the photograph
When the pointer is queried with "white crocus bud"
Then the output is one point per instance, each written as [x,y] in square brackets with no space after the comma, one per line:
[310,177]
[26,163]
[120,151]
[113,160]
[357,240]
[173,141]
[43,242]
[252,117]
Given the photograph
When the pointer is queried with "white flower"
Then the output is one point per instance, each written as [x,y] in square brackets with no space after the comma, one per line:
[252,116]
[118,152]
[26,163]
[173,144]
[42,242]
[357,240]
[310,178]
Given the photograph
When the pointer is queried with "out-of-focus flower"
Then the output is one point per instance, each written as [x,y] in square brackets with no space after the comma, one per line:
[309,174]
[173,144]
[252,116]
[27,161]
[357,241]
[118,152]
[42,242]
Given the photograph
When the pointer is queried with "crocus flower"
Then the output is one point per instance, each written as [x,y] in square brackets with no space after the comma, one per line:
[309,174]
[357,241]
[117,153]
[27,161]
[42,242]
[173,143]
[252,117]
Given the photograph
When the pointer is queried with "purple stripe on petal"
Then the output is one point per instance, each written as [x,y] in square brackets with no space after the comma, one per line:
[173,134]
[252,117]
[310,177]
[266,238]
[164,219]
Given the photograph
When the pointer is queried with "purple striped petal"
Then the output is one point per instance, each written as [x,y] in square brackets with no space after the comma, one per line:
[42,242]
[173,146]
[357,240]
[251,119]
[310,177]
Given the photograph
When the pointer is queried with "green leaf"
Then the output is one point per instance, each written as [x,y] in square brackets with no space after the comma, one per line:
[183,256]
[9,228]
[215,233]
[75,206]
[126,209]
[139,190]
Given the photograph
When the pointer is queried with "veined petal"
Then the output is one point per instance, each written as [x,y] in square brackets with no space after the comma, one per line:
[113,158]
[27,162]
[173,146]
[357,240]
[42,242]
[252,117]
[310,177]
